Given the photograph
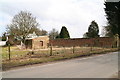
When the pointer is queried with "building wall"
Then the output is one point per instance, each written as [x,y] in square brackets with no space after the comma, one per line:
[40,42]
[99,42]
[44,42]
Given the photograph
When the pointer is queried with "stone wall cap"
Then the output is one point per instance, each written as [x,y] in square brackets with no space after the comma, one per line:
[35,37]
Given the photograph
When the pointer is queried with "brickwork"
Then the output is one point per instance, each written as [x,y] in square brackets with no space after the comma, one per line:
[38,42]
[99,42]
[43,42]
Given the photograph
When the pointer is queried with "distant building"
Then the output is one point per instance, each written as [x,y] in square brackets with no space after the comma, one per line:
[36,42]
[2,43]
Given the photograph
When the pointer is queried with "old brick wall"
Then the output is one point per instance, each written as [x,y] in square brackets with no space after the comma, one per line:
[40,42]
[99,42]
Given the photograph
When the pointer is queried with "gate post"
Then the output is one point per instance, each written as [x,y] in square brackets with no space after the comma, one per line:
[117,40]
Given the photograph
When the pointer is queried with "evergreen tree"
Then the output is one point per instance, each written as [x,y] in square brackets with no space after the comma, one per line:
[4,36]
[64,33]
[112,10]
[93,30]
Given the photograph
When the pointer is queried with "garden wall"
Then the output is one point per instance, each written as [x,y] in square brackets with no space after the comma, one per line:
[98,42]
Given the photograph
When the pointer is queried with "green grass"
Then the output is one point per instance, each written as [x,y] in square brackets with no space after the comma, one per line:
[15,52]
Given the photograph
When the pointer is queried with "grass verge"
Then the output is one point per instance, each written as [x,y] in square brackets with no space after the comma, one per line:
[6,65]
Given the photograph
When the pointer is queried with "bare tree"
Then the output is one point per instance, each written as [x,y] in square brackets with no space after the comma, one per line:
[22,24]
[53,34]
[40,32]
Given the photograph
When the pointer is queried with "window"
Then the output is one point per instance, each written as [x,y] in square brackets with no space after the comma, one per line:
[41,43]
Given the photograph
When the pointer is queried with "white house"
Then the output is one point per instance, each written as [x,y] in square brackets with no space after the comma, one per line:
[2,43]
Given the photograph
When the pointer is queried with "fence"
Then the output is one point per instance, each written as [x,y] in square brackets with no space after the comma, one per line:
[14,53]
[60,47]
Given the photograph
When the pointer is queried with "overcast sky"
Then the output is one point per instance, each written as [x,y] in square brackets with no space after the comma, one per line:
[76,15]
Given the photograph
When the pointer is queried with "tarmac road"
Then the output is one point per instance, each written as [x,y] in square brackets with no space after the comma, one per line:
[98,66]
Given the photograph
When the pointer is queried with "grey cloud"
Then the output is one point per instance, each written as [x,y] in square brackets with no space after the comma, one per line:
[76,15]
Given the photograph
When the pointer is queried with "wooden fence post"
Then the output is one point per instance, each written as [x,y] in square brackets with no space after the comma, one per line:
[64,49]
[117,40]
[9,51]
[73,49]
[91,48]
[50,49]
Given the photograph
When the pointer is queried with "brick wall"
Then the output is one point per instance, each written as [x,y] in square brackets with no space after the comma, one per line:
[100,42]
[40,42]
